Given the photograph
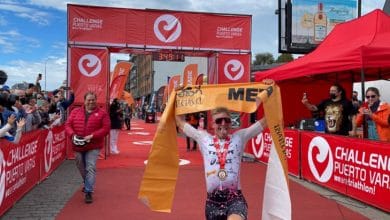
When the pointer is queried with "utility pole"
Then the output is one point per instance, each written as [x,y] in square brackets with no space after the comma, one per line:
[45,75]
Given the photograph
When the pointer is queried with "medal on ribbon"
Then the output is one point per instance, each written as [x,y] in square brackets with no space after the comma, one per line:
[221,154]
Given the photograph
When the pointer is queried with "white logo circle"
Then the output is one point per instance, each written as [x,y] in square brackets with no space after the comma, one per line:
[233,69]
[259,140]
[324,153]
[92,62]
[2,176]
[48,151]
[172,28]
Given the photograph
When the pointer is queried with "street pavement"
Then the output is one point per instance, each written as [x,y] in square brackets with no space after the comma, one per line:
[50,196]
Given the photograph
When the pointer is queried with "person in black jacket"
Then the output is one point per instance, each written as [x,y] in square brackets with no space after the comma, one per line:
[116,125]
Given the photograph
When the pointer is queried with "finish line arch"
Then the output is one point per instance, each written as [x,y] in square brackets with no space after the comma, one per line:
[94,32]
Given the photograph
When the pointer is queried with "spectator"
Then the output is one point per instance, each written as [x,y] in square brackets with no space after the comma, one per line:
[127,115]
[4,128]
[116,125]
[37,84]
[47,120]
[376,114]
[87,125]
[338,111]
[19,126]
[60,104]
[33,119]
[193,120]
[355,101]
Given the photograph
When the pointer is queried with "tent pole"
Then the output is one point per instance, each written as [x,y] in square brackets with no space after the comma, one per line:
[362,79]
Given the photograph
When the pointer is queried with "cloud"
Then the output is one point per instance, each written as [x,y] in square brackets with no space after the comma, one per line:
[33,15]
[25,71]
[7,41]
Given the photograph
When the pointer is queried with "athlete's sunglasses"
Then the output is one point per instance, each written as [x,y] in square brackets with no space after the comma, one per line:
[218,121]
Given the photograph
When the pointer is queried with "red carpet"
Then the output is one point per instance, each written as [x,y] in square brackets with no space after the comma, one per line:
[119,176]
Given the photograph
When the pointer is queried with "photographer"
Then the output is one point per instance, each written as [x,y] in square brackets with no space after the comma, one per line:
[337,110]
[59,104]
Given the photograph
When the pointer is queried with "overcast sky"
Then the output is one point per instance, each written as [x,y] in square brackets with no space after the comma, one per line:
[33,32]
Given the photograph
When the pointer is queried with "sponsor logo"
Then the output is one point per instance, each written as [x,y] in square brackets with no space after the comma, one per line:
[167,28]
[90,65]
[320,159]
[233,70]
[258,143]
[247,94]
[2,176]
[48,151]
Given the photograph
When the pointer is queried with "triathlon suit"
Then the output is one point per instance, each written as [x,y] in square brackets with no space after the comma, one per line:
[224,197]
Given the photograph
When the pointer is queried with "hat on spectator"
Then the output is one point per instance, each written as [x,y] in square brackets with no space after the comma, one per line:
[5,88]
[55,91]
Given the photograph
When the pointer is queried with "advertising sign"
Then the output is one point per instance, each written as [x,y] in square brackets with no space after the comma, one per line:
[260,147]
[308,22]
[19,168]
[162,29]
[53,143]
[355,167]
[89,72]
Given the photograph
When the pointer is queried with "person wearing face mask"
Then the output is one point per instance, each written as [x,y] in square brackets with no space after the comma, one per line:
[222,154]
[376,114]
[338,111]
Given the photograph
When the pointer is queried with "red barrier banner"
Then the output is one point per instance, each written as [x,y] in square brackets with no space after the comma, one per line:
[53,143]
[19,168]
[89,72]
[355,167]
[260,147]
[233,68]
[168,29]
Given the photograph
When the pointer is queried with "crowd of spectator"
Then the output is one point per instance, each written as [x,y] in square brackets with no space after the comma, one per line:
[24,109]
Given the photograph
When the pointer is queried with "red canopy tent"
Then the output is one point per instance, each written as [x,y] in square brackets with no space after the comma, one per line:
[355,51]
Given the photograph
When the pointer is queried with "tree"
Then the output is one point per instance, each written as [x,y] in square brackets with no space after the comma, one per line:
[284,58]
[263,58]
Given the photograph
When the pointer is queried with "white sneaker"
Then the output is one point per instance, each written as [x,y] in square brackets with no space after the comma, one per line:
[114,151]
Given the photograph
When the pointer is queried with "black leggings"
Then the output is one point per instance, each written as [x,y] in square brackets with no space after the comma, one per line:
[127,122]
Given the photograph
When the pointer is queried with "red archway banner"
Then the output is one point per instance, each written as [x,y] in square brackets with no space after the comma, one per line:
[89,72]
[94,25]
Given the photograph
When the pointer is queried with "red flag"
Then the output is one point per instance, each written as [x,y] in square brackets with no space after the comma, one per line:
[174,82]
[190,74]
[121,72]
[199,79]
